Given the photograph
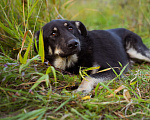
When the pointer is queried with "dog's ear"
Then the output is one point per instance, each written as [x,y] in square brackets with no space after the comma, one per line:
[36,39]
[81,28]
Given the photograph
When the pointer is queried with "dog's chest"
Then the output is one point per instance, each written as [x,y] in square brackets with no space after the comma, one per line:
[65,62]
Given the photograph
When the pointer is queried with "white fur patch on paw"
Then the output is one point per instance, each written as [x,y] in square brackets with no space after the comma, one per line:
[88,84]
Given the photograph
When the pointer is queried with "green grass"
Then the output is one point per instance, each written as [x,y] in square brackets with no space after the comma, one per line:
[30,89]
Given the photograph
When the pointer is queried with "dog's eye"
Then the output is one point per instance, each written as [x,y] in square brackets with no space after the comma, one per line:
[70,28]
[53,34]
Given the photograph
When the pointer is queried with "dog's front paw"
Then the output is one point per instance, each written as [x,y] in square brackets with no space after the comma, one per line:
[83,90]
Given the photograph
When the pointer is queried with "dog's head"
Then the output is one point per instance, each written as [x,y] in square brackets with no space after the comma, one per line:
[62,37]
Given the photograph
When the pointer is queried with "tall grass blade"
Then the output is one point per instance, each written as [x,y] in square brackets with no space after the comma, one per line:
[6,18]
[62,105]
[8,30]
[106,87]
[40,117]
[40,80]
[27,52]
[23,66]
[41,46]
[32,9]
[47,80]
[115,71]
[23,41]
[121,72]
[75,111]
[91,68]
[123,69]
[20,58]
[24,59]
[10,25]
[32,114]
[35,43]
[96,89]
[54,74]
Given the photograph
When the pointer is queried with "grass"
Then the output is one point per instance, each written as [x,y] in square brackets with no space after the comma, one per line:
[30,89]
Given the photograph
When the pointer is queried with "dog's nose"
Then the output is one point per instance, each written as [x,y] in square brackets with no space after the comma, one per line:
[72,44]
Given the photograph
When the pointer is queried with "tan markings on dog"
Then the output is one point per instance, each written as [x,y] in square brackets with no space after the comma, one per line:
[62,63]
[55,29]
[58,51]
[89,83]
[77,25]
[71,60]
[50,50]
[134,54]
[65,24]
[95,70]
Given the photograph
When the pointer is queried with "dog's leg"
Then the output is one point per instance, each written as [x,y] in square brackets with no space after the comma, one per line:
[136,49]
[91,81]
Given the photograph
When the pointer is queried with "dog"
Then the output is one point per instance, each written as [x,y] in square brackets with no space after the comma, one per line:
[68,46]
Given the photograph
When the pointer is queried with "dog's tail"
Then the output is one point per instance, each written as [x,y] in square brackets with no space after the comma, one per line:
[136,48]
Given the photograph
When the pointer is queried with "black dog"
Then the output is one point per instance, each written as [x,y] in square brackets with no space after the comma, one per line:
[69,46]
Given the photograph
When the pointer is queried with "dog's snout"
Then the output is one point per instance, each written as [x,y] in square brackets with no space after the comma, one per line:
[72,44]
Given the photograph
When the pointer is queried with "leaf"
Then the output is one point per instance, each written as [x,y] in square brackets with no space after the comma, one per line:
[104,70]
[91,68]
[117,90]
[48,70]
[86,98]
[20,58]
[47,80]
[83,73]
[127,95]
[52,69]
[27,52]
[40,80]
[41,46]
[35,43]
[133,83]
[54,73]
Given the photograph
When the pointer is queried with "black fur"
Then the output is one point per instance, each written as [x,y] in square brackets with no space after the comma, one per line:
[69,46]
